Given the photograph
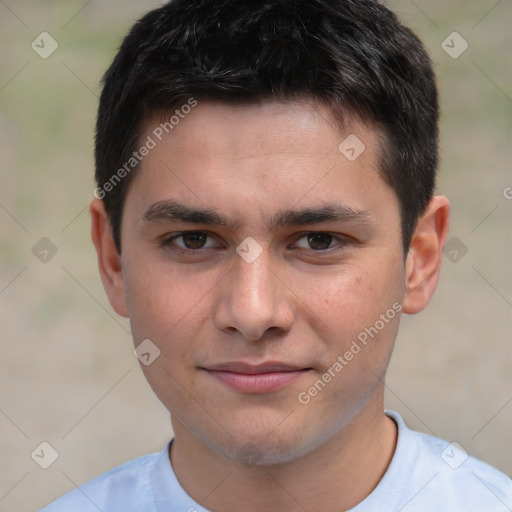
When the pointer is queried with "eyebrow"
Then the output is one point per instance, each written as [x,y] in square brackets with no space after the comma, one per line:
[172,211]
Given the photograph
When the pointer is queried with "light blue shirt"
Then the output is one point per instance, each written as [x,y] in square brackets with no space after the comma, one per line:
[426,474]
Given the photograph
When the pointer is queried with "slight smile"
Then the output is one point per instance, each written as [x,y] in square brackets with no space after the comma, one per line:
[262,378]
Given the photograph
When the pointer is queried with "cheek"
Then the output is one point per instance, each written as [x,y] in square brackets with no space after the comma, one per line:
[170,309]
[357,315]
[161,299]
[352,296]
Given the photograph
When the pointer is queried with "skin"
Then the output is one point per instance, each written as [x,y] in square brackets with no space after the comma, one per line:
[299,302]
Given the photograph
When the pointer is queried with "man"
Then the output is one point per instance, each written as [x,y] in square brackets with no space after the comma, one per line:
[264,215]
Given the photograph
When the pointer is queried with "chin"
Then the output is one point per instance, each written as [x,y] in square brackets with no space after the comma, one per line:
[261,452]
[255,444]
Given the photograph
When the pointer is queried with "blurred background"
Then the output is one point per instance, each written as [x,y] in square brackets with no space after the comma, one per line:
[68,376]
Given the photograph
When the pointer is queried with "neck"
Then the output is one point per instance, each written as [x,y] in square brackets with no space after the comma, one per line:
[337,476]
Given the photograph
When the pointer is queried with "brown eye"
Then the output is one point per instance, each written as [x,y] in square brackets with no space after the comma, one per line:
[190,242]
[319,241]
[194,240]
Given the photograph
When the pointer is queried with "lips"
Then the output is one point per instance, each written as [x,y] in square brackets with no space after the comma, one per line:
[261,378]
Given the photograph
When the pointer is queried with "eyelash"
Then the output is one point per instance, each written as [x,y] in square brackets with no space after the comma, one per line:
[169,241]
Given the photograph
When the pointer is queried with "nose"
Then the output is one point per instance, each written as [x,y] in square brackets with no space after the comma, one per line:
[253,300]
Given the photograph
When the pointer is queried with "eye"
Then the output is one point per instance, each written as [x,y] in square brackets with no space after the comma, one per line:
[318,241]
[191,240]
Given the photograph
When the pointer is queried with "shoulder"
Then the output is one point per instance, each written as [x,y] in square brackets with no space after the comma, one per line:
[466,479]
[445,477]
[127,485]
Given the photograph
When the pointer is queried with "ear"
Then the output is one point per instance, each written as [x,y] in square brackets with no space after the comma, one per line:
[109,259]
[423,263]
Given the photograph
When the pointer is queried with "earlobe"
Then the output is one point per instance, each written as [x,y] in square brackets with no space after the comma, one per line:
[109,259]
[423,263]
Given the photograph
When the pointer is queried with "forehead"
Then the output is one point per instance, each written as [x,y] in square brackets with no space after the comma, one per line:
[265,156]
[300,126]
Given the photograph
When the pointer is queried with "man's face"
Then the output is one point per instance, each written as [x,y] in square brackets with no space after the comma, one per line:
[244,335]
